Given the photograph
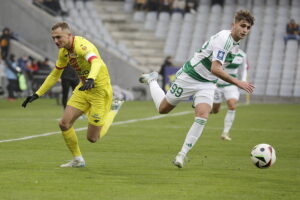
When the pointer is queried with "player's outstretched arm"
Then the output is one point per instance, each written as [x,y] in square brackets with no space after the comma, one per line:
[30,99]
[51,79]
[216,69]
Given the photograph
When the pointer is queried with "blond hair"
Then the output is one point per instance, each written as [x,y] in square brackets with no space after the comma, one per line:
[63,25]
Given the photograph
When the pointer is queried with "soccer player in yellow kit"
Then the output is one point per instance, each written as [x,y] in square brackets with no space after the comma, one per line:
[92,96]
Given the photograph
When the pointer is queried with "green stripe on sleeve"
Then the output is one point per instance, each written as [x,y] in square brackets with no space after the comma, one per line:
[189,69]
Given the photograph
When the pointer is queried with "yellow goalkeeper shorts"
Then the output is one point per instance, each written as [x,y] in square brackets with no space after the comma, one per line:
[95,103]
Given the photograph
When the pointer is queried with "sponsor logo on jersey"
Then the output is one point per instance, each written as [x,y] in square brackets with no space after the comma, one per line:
[220,55]
[84,48]
[82,73]
[237,60]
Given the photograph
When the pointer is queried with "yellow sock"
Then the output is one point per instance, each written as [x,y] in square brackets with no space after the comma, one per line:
[72,141]
[109,118]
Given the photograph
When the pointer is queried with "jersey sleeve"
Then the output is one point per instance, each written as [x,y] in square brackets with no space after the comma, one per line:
[55,74]
[87,51]
[220,47]
[62,59]
[51,79]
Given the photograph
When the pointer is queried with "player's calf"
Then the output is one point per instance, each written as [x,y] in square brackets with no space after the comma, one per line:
[216,108]
[165,107]
[93,133]
[92,139]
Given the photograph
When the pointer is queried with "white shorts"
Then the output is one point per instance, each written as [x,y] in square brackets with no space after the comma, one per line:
[184,87]
[226,93]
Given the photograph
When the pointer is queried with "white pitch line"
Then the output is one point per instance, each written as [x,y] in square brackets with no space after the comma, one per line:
[84,128]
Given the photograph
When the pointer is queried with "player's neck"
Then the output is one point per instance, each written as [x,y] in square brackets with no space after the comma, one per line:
[235,38]
[69,47]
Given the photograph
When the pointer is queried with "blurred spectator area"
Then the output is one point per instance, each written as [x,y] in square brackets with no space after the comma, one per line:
[33,25]
[274,67]
[34,67]
[53,7]
[143,37]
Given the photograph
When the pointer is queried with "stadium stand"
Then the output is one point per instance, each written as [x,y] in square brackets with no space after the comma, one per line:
[200,30]
[264,52]
[265,49]
[151,20]
[128,6]
[173,34]
[289,63]
[141,44]
[144,38]
[185,38]
[214,20]
[33,25]
[162,25]
[296,90]
[139,16]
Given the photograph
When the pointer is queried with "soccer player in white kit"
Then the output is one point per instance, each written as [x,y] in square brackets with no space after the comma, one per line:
[229,92]
[198,78]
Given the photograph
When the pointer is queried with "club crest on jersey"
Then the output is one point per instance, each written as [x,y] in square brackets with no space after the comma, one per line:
[220,55]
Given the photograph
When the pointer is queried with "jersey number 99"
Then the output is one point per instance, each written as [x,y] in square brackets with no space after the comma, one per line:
[177,91]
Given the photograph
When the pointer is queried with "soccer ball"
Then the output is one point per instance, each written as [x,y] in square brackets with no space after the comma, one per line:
[263,155]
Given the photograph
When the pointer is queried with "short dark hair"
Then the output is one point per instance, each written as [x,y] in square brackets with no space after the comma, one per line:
[62,25]
[244,15]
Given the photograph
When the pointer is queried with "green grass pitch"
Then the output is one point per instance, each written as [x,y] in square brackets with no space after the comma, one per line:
[133,161]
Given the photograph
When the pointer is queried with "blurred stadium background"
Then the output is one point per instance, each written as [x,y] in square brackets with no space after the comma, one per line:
[134,160]
[132,41]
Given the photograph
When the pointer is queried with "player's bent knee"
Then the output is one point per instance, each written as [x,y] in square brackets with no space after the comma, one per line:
[202,110]
[231,107]
[92,139]
[202,115]
[64,126]
[163,111]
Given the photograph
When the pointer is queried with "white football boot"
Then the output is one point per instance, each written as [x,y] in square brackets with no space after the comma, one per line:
[147,78]
[81,117]
[116,105]
[179,160]
[74,163]
[225,136]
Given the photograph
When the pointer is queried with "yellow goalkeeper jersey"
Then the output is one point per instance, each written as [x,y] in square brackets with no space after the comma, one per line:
[84,58]
[80,57]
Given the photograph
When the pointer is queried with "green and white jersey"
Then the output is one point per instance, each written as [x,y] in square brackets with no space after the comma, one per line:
[220,47]
[239,63]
